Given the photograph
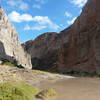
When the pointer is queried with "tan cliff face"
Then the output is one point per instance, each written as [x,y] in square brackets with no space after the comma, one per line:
[10,47]
[77,48]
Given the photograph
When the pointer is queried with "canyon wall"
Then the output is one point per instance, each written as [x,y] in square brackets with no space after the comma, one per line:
[76,48]
[10,47]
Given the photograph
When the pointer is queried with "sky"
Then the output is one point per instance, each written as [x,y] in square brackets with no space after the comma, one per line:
[34,17]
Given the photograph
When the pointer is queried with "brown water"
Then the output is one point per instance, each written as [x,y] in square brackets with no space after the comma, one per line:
[75,89]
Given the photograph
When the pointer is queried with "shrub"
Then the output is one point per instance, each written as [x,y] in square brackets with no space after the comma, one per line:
[17,91]
[12,64]
[82,74]
[97,74]
[4,60]
[47,93]
[9,64]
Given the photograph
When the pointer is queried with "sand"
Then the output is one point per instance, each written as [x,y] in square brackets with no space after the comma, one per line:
[74,89]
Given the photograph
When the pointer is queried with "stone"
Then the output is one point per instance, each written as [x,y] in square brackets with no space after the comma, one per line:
[1,62]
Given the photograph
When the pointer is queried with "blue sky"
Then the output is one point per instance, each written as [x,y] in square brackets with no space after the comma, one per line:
[34,17]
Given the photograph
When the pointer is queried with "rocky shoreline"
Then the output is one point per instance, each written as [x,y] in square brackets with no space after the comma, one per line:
[30,76]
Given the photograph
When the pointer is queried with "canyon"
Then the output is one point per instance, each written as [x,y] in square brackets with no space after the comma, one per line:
[76,48]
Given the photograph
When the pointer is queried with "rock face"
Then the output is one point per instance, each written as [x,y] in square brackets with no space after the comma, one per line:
[43,50]
[83,52]
[10,47]
[77,47]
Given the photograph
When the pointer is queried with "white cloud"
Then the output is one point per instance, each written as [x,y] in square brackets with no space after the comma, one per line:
[23,6]
[41,21]
[79,3]
[44,20]
[11,2]
[69,22]
[36,27]
[18,3]
[17,17]
[41,1]
[36,6]
[67,14]
[27,27]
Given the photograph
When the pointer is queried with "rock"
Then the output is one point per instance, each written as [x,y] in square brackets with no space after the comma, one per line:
[82,54]
[42,50]
[10,47]
[1,62]
[77,48]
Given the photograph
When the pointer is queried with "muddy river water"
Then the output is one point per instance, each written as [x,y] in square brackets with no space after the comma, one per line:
[74,89]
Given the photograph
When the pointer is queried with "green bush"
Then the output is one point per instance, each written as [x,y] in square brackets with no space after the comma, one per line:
[17,91]
[47,93]
[97,74]
[9,64]
[12,64]
[82,74]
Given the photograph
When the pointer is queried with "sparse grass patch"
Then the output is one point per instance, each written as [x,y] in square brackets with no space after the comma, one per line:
[17,91]
[23,91]
[9,64]
[46,93]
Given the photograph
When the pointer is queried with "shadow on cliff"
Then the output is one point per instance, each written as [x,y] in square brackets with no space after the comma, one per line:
[47,61]
[4,56]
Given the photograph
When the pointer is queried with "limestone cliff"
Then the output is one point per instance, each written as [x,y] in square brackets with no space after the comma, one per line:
[10,47]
